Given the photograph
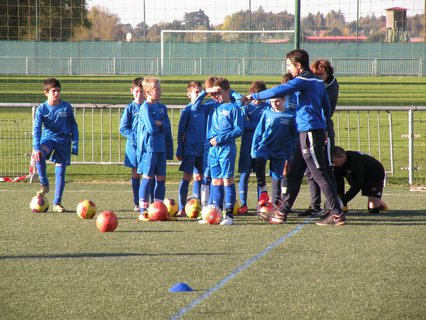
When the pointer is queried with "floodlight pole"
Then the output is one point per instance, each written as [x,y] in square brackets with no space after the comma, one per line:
[297,24]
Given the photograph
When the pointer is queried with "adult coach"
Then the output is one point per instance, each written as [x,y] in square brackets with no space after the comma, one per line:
[313,103]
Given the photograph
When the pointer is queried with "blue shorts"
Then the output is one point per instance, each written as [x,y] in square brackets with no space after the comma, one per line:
[276,165]
[152,164]
[190,164]
[222,161]
[245,163]
[58,153]
[131,158]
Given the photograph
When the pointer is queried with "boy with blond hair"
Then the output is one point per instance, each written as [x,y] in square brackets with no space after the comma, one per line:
[128,128]
[154,145]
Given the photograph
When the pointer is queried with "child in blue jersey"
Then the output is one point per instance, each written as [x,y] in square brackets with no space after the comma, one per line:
[128,128]
[225,125]
[191,129]
[252,113]
[312,105]
[273,141]
[55,136]
[154,145]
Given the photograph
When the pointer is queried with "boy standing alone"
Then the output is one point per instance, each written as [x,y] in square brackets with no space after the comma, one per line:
[55,136]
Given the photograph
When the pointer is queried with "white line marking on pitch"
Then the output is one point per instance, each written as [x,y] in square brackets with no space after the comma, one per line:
[237,271]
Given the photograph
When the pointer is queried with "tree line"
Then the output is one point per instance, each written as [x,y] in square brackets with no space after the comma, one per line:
[70,20]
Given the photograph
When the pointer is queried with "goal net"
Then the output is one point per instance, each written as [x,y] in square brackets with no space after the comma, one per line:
[239,52]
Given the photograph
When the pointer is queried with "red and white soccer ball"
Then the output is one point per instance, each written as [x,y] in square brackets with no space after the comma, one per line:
[39,204]
[86,209]
[212,214]
[172,206]
[193,208]
[106,221]
[157,211]
[264,212]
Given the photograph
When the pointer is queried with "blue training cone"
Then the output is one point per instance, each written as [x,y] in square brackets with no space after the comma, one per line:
[181,287]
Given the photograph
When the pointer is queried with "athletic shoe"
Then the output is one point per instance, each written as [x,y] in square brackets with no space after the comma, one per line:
[143,216]
[332,219]
[277,217]
[263,198]
[345,209]
[136,209]
[310,212]
[202,221]
[227,221]
[43,190]
[58,208]
[243,209]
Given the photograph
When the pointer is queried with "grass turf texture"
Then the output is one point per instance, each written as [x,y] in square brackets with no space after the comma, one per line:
[57,265]
[372,91]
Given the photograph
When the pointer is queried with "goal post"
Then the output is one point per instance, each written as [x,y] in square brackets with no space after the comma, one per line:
[196,45]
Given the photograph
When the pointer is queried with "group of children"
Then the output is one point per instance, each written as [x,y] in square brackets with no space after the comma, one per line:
[285,125]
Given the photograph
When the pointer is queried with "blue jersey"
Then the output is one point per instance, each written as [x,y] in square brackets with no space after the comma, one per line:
[56,124]
[274,134]
[313,100]
[129,123]
[226,124]
[153,138]
[251,114]
[191,130]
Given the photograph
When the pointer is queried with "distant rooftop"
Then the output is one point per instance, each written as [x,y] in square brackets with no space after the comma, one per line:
[396,9]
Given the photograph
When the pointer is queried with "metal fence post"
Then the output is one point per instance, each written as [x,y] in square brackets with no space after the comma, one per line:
[410,146]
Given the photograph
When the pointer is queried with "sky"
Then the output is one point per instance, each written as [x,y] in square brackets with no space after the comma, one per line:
[132,11]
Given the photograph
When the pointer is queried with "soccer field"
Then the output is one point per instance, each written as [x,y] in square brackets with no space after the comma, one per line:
[59,266]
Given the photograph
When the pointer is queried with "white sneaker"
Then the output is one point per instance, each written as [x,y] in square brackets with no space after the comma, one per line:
[202,221]
[227,221]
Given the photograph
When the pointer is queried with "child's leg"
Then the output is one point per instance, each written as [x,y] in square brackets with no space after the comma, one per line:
[152,191]
[183,190]
[136,182]
[41,168]
[144,193]
[205,191]
[160,188]
[243,187]
[276,190]
[230,196]
[60,169]
[197,185]
[217,193]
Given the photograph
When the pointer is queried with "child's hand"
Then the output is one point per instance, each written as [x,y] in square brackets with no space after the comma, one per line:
[213,141]
[37,155]
[74,150]
[158,123]
[179,158]
[246,99]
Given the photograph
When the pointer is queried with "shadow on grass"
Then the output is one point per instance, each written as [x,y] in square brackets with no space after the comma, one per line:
[101,255]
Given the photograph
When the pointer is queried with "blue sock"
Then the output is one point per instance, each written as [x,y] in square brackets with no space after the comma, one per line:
[41,169]
[217,195]
[59,183]
[183,193]
[145,190]
[136,182]
[152,191]
[243,187]
[197,189]
[160,190]
[230,197]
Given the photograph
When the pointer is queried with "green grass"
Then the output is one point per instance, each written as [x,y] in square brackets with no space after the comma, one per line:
[373,91]
[59,266]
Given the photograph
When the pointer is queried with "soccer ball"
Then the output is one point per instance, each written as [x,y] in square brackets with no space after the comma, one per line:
[106,221]
[172,206]
[193,208]
[212,214]
[264,212]
[39,204]
[157,211]
[86,209]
